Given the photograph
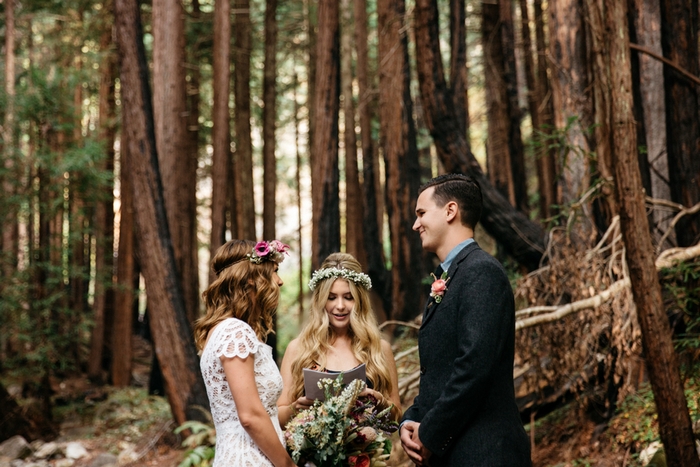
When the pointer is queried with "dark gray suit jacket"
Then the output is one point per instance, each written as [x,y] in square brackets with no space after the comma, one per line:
[466,405]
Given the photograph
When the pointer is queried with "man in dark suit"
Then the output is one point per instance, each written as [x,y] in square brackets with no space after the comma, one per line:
[465,413]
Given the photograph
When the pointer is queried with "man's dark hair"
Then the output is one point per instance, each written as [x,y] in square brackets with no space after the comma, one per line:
[464,190]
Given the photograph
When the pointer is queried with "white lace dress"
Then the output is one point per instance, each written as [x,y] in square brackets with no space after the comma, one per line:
[235,338]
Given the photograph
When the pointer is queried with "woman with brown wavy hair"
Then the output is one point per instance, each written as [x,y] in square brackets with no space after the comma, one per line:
[242,380]
[341,334]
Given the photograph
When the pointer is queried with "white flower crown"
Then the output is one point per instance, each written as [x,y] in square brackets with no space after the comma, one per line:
[359,278]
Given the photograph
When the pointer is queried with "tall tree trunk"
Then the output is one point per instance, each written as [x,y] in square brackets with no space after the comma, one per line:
[572,100]
[675,426]
[243,204]
[458,63]
[221,130]
[515,141]
[604,206]
[547,176]
[679,41]
[269,120]
[193,113]
[372,197]
[8,253]
[543,162]
[269,140]
[646,21]
[522,238]
[326,204]
[354,228]
[178,167]
[168,319]
[398,140]
[497,151]
[125,295]
[8,216]
[104,211]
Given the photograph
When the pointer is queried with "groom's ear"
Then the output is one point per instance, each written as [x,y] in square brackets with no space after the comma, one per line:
[451,211]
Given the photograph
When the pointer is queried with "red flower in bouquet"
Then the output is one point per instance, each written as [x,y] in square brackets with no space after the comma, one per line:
[358,461]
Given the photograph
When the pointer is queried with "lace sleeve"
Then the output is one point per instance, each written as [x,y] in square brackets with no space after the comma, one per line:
[236,339]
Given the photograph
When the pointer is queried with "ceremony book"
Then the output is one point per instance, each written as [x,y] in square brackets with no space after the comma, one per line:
[311,378]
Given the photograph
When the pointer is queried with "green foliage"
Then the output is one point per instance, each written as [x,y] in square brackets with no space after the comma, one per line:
[200,442]
[681,287]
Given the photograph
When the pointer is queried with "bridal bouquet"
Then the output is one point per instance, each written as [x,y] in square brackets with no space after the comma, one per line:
[344,430]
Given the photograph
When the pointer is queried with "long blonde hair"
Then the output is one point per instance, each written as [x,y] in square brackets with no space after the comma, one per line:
[242,290]
[317,335]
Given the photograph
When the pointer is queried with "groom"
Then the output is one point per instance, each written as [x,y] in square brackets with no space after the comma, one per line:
[465,413]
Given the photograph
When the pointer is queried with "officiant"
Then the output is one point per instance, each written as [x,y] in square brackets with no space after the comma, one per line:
[340,335]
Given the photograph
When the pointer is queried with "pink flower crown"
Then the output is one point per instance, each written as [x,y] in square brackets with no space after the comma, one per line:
[274,251]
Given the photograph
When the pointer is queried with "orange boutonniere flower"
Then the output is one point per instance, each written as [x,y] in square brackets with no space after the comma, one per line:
[439,287]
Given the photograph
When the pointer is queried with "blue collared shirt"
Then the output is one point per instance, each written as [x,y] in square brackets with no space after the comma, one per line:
[453,254]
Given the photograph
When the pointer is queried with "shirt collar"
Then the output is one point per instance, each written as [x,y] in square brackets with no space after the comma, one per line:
[453,254]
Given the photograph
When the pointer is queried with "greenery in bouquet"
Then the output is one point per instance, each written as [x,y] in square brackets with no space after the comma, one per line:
[344,430]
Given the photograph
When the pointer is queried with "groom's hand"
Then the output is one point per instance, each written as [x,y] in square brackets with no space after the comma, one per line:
[423,451]
[408,434]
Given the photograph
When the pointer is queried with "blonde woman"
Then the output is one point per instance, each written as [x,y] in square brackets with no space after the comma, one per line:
[341,334]
[242,380]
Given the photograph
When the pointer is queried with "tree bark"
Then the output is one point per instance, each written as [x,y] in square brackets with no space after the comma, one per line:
[354,228]
[104,211]
[679,41]
[126,270]
[458,63]
[522,238]
[515,141]
[398,141]
[269,121]
[497,151]
[646,21]
[675,426]
[326,203]
[572,100]
[372,197]
[243,203]
[178,166]
[221,131]
[174,346]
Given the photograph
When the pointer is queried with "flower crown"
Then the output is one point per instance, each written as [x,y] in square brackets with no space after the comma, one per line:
[274,251]
[359,278]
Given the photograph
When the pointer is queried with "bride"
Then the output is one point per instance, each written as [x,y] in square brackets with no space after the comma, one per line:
[242,380]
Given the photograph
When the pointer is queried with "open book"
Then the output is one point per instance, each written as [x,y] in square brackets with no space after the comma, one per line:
[311,378]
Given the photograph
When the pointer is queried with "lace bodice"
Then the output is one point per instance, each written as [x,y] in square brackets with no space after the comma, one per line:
[235,338]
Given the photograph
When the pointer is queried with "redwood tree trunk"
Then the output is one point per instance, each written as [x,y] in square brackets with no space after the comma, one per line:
[178,166]
[170,329]
[497,152]
[243,203]
[354,228]
[675,426]
[522,238]
[269,121]
[458,63]
[373,210]
[398,139]
[679,41]
[221,136]
[326,204]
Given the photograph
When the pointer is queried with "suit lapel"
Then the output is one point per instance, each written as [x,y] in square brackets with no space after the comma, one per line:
[432,305]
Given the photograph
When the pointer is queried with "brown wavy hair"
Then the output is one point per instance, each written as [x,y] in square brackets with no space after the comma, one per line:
[242,290]
[317,335]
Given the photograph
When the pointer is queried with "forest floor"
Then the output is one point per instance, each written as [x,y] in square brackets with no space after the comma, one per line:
[138,428]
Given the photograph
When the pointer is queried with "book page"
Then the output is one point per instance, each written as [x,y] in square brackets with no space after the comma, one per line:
[312,377]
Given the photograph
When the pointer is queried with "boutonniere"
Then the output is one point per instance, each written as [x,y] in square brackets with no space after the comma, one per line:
[438,287]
